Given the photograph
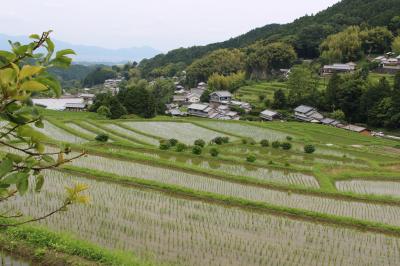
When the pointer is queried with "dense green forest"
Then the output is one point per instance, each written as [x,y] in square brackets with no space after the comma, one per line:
[304,34]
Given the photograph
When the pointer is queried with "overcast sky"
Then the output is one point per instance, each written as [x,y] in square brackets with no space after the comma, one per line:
[162,24]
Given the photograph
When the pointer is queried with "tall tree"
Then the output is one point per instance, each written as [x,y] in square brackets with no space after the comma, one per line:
[342,47]
[264,58]
[280,101]
[376,40]
[303,86]
[396,45]
[331,92]
[223,61]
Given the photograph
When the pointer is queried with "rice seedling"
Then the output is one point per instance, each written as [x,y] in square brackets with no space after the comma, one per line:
[370,187]
[133,134]
[184,132]
[58,134]
[359,210]
[183,232]
[247,131]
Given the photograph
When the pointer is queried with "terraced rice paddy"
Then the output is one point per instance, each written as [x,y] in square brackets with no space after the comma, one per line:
[184,232]
[370,187]
[365,211]
[81,129]
[59,134]
[172,228]
[266,174]
[246,131]
[133,134]
[184,132]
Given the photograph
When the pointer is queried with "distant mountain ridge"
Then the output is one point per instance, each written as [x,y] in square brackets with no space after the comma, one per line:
[89,54]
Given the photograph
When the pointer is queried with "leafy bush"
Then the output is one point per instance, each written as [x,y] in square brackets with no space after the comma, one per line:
[200,143]
[197,150]
[289,138]
[104,111]
[264,143]
[251,141]
[251,158]
[286,145]
[276,144]
[164,145]
[244,141]
[102,137]
[173,142]
[225,139]
[180,147]
[218,140]
[214,152]
[309,148]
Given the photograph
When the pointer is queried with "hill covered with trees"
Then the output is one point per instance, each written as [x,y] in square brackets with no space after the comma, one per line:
[304,34]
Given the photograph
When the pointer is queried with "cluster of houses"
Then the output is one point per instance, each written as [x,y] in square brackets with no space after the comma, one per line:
[388,63]
[219,105]
[112,85]
[310,114]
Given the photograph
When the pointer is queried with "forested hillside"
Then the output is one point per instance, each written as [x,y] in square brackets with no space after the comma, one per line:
[305,34]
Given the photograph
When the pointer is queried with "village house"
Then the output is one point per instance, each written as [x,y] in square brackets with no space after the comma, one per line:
[338,68]
[75,107]
[87,97]
[358,129]
[245,106]
[269,115]
[198,109]
[331,122]
[221,97]
[307,114]
[179,99]
[388,63]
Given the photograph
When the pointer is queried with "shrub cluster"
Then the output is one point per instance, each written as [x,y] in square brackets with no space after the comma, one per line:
[309,148]
[251,158]
[102,137]
[200,142]
[220,140]
[197,150]
[264,143]
[214,152]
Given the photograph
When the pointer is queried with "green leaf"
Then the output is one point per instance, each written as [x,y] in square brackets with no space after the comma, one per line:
[23,183]
[7,55]
[39,183]
[14,157]
[48,159]
[6,166]
[65,52]
[11,179]
[29,71]
[50,45]
[34,36]
[52,83]
[61,61]
[7,76]
[39,124]
[32,85]
[40,147]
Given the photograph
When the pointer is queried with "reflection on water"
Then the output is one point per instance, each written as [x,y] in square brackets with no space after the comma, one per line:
[8,260]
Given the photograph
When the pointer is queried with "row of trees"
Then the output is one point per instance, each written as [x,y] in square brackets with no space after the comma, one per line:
[138,97]
[355,98]
[354,42]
